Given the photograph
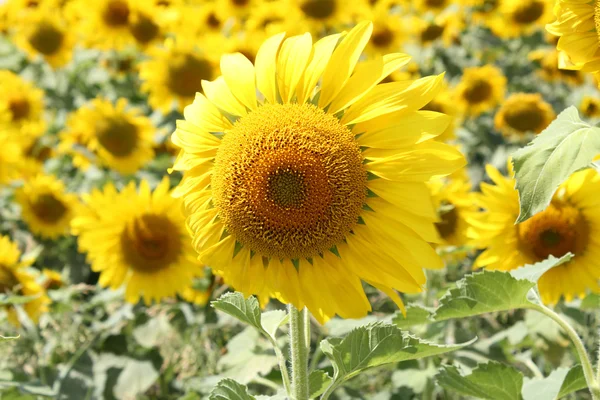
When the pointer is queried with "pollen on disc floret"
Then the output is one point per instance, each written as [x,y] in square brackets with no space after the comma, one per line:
[289,181]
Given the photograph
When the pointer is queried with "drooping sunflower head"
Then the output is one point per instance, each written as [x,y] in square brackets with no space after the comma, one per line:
[21,108]
[480,89]
[175,73]
[141,242]
[119,138]
[522,113]
[286,192]
[16,278]
[567,225]
[577,25]
[45,34]
[46,207]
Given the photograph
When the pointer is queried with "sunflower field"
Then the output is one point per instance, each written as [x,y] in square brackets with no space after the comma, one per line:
[299,199]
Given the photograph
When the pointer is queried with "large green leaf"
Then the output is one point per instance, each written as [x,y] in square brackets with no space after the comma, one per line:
[490,291]
[544,388]
[566,146]
[245,310]
[574,381]
[375,345]
[318,382]
[493,381]
[228,389]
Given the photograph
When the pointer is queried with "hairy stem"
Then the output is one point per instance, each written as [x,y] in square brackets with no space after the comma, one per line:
[299,354]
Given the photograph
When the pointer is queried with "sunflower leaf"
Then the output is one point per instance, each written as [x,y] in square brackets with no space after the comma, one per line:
[245,310]
[493,381]
[415,315]
[318,382]
[15,299]
[566,146]
[574,381]
[490,291]
[228,389]
[374,345]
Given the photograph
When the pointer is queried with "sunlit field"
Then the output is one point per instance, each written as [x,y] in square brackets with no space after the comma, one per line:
[299,199]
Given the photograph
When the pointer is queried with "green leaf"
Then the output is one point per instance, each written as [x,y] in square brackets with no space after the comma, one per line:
[135,379]
[318,382]
[415,315]
[374,345]
[566,146]
[245,310]
[491,291]
[6,300]
[590,302]
[228,389]
[8,338]
[272,320]
[574,381]
[544,388]
[493,381]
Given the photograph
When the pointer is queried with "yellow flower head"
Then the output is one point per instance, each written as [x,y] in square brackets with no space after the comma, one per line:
[137,238]
[21,108]
[175,73]
[550,67]
[318,181]
[590,107]
[522,113]
[567,225]
[11,158]
[15,278]
[46,207]
[520,17]
[480,89]
[118,137]
[578,26]
[446,27]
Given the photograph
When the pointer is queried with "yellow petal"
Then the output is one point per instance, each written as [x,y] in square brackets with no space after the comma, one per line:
[292,60]
[205,115]
[238,73]
[219,94]
[193,138]
[266,65]
[321,54]
[343,61]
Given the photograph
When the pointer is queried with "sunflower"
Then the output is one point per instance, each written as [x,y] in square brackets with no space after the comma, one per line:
[11,158]
[294,191]
[21,108]
[15,278]
[480,89]
[45,34]
[145,23]
[104,24]
[388,32]
[443,103]
[45,206]
[52,279]
[522,113]
[549,61]
[578,26]
[270,18]
[446,27]
[567,225]
[453,200]
[590,107]
[240,9]
[175,73]
[434,6]
[520,17]
[137,239]
[120,138]
[321,15]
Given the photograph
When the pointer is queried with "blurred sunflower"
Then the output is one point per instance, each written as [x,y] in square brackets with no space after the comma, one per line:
[21,108]
[453,200]
[119,137]
[550,61]
[268,19]
[444,103]
[239,9]
[11,158]
[319,15]
[292,192]
[434,6]
[104,24]
[522,113]
[145,24]
[175,73]
[46,207]
[141,243]
[388,33]
[52,279]
[15,278]
[590,107]
[567,225]
[480,89]
[45,34]
[520,17]
[578,26]
[446,27]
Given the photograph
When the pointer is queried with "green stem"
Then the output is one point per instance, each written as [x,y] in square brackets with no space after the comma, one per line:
[588,370]
[299,354]
[285,377]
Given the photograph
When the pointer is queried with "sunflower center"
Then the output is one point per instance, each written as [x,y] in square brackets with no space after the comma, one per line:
[555,231]
[431,33]
[479,91]
[240,3]
[116,13]
[46,39]
[144,30]
[318,9]
[213,21]
[597,17]
[150,243]
[48,208]
[435,3]
[449,218]
[289,181]
[528,12]
[8,280]
[186,73]
[118,136]
[19,108]
[525,117]
[382,37]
